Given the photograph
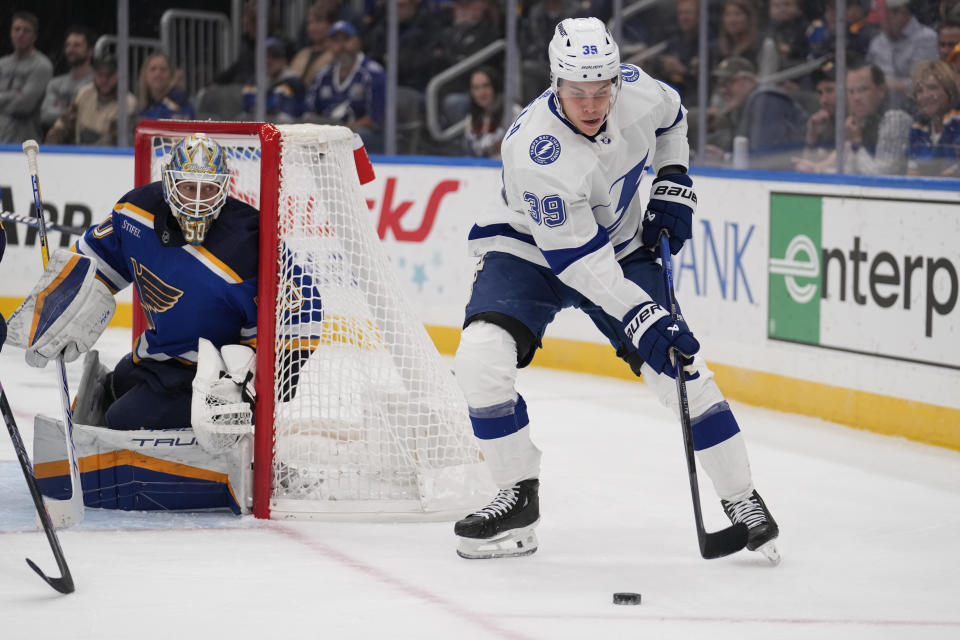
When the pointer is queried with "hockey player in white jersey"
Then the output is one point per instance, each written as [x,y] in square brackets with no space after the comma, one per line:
[573,232]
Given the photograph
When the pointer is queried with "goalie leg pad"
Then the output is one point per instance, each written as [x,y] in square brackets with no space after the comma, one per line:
[143,470]
[66,312]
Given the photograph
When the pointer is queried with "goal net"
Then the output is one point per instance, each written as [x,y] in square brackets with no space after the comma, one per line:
[356,414]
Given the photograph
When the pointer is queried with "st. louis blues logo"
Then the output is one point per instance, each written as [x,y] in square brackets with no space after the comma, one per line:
[630,72]
[544,149]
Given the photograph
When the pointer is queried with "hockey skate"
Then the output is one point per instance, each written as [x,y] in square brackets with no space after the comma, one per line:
[762,528]
[505,527]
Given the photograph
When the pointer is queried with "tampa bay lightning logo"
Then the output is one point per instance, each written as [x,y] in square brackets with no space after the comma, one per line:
[544,149]
[630,72]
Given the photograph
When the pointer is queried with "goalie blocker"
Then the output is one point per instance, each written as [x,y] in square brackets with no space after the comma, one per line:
[66,312]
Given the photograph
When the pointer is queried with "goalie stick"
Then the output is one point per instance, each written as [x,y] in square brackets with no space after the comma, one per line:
[70,511]
[734,538]
[31,222]
[63,584]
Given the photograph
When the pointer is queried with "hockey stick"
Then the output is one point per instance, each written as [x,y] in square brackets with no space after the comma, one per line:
[734,538]
[31,222]
[70,511]
[63,584]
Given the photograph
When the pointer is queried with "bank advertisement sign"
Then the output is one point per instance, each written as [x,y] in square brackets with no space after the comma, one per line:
[876,276]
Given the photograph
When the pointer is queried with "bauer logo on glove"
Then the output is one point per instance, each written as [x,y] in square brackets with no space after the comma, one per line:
[670,209]
[654,334]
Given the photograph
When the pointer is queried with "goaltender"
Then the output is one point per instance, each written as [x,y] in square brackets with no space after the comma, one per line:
[191,251]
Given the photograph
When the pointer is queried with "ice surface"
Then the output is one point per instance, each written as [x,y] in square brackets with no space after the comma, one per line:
[868,537]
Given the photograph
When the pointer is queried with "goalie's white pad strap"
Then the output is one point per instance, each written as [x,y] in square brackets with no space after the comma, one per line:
[66,312]
[218,411]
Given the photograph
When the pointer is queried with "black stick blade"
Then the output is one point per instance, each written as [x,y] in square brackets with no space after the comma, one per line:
[63,584]
[724,542]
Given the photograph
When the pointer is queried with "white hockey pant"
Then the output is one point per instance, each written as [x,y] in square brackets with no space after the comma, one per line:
[719,445]
[486,369]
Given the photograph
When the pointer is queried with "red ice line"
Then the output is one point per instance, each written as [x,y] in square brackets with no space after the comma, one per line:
[381,576]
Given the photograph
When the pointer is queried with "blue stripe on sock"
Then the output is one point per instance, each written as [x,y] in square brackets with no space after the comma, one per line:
[714,427]
[490,427]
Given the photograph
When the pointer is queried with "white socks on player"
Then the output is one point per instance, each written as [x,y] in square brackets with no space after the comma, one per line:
[486,365]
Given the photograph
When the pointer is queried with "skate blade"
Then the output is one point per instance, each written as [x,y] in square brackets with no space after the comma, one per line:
[509,544]
[770,552]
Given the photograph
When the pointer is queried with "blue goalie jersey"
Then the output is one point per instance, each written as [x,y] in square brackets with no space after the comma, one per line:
[187,291]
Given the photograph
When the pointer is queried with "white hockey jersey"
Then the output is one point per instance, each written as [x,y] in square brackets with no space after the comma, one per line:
[571,200]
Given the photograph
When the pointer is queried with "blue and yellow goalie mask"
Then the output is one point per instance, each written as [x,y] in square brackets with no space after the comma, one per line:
[195,184]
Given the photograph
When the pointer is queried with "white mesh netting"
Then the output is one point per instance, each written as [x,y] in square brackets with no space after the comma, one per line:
[376,424]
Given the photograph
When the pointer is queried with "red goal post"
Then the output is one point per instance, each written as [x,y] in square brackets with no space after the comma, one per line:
[377,428]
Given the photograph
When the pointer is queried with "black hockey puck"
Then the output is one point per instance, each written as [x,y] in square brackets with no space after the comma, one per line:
[626,597]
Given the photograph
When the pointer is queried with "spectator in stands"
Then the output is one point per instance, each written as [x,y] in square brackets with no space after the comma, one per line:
[417,30]
[772,121]
[935,135]
[739,32]
[822,34]
[820,136]
[787,26]
[948,37]
[901,45]
[61,90]
[536,29]
[679,62]
[92,117]
[316,55]
[484,125]
[351,90]
[947,11]
[470,30]
[245,64]
[877,132]
[286,93]
[24,75]
[158,96]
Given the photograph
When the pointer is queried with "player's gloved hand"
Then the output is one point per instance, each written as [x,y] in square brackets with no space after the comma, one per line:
[654,333]
[671,206]
[3,332]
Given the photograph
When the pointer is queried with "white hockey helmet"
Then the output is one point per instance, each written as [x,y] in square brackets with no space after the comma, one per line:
[583,50]
[200,162]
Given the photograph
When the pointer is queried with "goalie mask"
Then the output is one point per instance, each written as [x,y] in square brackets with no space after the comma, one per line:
[195,184]
[582,50]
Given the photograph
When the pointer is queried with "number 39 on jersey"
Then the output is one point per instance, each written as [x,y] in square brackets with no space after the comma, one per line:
[548,210]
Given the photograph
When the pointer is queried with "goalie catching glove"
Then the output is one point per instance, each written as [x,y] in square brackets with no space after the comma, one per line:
[65,313]
[221,410]
[654,334]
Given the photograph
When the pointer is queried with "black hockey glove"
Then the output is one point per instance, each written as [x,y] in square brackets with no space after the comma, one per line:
[671,206]
[654,333]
